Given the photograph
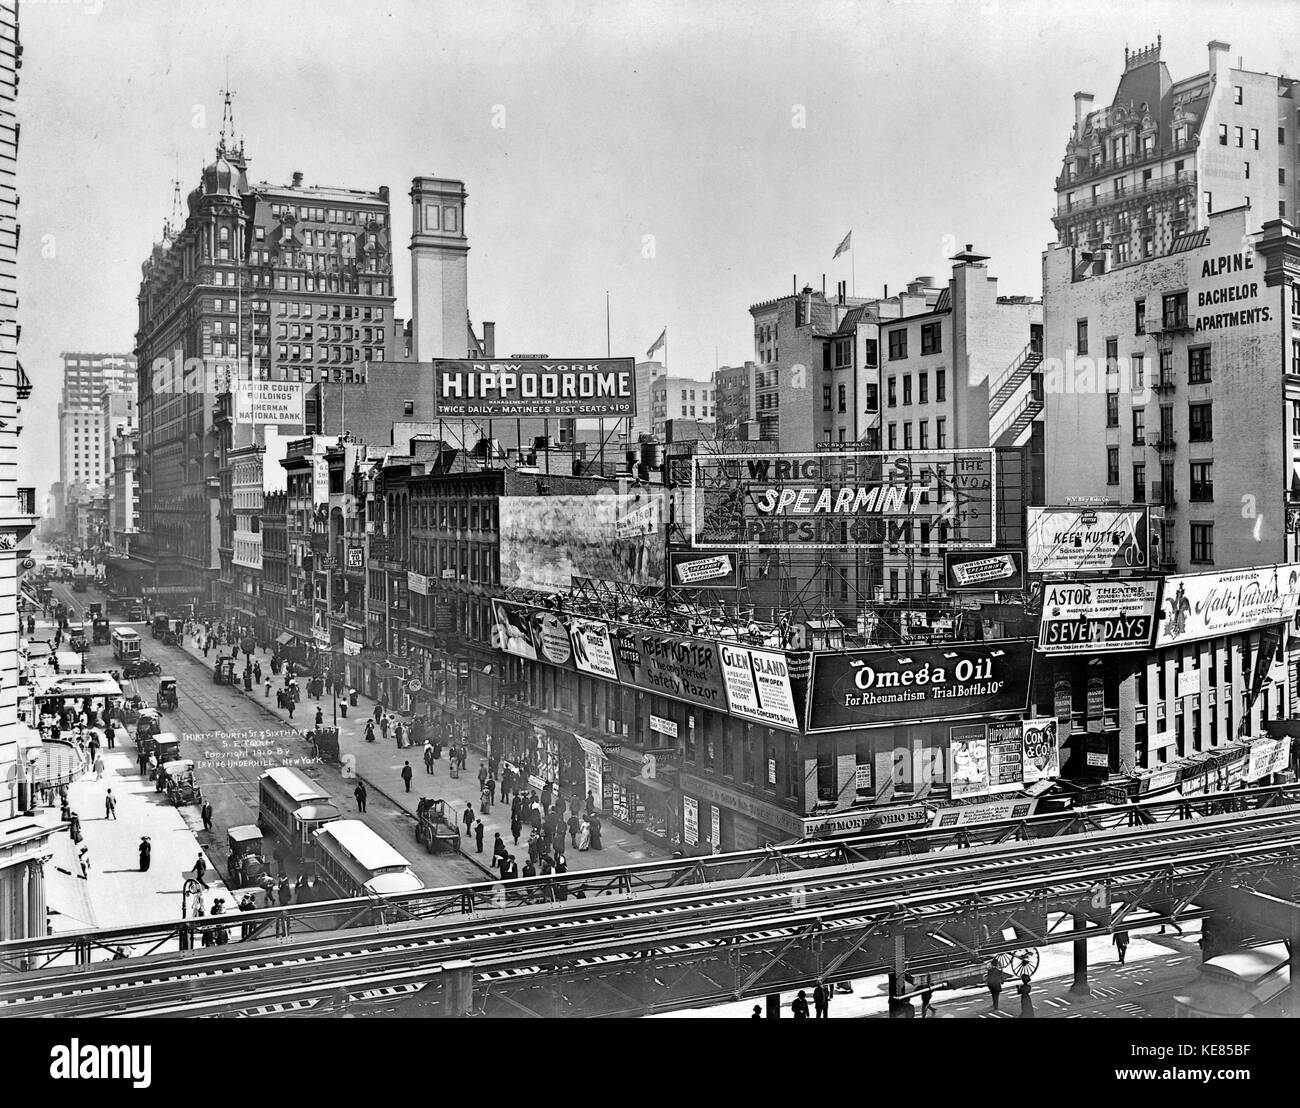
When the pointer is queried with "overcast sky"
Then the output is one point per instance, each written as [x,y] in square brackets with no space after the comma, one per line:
[927,124]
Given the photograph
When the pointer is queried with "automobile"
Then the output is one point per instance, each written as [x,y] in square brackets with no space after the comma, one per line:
[223,671]
[247,866]
[100,633]
[140,667]
[159,626]
[435,828]
[77,640]
[176,778]
[167,693]
[148,723]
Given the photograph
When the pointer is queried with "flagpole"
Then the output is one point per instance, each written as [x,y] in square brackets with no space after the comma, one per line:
[853,270]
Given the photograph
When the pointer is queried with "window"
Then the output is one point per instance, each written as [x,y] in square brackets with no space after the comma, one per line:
[922,388]
[1139,483]
[940,385]
[1119,186]
[907,388]
[1295,356]
[1209,202]
[1223,134]
[1247,169]
[893,584]
[1138,364]
[408,407]
[1254,138]
[870,353]
[923,435]
[1166,367]
[1237,135]
[1175,310]
[1236,94]
[891,386]
[1112,410]
[1281,176]
[940,433]
[1198,365]
[843,398]
[897,344]
[826,398]
[1203,543]
[931,340]
[1281,136]
[873,398]
[1081,337]
[1139,427]
[1200,422]
[892,438]
[1202,481]
[1112,465]
[907,436]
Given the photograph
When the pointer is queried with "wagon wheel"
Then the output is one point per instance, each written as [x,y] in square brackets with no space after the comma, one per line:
[1019,963]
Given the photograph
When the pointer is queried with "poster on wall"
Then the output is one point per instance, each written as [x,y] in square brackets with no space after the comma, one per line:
[1042,757]
[1006,756]
[546,541]
[715,827]
[969,749]
[690,820]
[758,685]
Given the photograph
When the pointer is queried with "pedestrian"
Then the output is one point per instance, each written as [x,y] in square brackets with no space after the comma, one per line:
[530,868]
[291,703]
[498,849]
[146,851]
[200,869]
[503,867]
[515,827]
[285,893]
[1121,944]
[400,732]
[268,689]
[467,817]
[206,814]
[428,757]
[534,846]
[485,801]
[595,831]
[1026,1002]
[83,857]
[110,734]
[557,840]
[574,824]
[463,757]
[757,1013]
[99,768]
[379,712]
[279,858]
[926,994]
[478,836]
[320,716]
[993,980]
[407,774]
[257,672]
[383,726]
[799,1007]
[547,796]
[360,793]
[110,805]
[482,774]
[492,790]
[591,802]
[370,730]
[584,836]
[822,1001]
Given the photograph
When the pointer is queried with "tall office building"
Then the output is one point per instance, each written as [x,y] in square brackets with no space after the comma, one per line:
[1164,155]
[85,427]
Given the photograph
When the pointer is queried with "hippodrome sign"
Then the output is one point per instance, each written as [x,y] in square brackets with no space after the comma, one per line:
[550,388]
[844,500]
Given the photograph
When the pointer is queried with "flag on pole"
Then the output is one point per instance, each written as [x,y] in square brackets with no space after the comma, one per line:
[847,244]
[659,344]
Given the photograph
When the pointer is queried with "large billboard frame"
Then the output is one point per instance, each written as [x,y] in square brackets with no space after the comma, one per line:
[493,379]
[1039,559]
[904,458]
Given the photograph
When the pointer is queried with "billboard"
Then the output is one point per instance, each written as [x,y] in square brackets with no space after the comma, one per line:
[905,684]
[1202,605]
[843,499]
[1268,756]
[546,541]
[684,668]
[279,402]
[532,633]
[758,685]
[499,388]
[986,571]
[1088,617]
[593,652]
[688,569]
[1088,540]
[1042,751]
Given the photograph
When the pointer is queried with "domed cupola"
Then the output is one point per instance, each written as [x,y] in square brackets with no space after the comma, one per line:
[221,178]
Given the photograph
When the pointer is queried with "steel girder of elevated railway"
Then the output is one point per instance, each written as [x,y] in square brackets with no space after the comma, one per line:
[679,947]
[84,947]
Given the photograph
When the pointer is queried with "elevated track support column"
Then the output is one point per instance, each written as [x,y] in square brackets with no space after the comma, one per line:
[458,989]
[773,1006]
[1080,986]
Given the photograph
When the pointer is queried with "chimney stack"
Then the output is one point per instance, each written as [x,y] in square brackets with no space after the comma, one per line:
[489,339]
[297,180]
[1218,60]
[1082,106]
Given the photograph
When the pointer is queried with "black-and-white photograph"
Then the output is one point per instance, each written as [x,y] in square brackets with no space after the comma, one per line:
[389,628]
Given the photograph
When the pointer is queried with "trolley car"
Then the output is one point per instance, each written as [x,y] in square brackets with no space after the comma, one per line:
[352,861]
[291,807]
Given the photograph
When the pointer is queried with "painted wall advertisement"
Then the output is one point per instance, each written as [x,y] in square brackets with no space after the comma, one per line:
[758,685]
[843,499]
[1090,617]
[1087,540]
[1204,605]
[690,820]
[279,402]
[1042,750]
[872,688]
[986,571]
[546,541]
[546,388]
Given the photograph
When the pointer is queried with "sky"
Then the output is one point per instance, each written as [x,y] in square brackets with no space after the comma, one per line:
[687,157]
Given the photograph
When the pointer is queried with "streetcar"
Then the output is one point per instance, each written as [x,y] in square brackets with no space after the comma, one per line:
[1249,981]
[126,644]
[292,806]
[351,861]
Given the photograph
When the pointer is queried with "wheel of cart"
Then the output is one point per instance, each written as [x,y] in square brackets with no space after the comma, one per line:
[1019,963]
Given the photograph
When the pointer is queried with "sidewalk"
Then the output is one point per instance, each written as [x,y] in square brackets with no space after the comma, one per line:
[115,892]
[379,765]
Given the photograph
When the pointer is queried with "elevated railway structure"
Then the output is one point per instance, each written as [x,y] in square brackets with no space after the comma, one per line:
[694,942]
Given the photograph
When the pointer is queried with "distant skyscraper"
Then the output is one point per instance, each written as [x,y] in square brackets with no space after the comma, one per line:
[84,430]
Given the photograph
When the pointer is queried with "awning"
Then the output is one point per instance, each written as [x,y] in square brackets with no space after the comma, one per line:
[650,783]
[284,638]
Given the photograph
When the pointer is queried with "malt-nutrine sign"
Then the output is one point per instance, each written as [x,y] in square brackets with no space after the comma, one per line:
[1204,605]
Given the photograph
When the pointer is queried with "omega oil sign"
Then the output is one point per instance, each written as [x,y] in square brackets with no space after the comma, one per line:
[873,688]
[1227,303]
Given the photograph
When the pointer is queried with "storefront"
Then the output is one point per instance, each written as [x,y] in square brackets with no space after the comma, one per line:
[718,818]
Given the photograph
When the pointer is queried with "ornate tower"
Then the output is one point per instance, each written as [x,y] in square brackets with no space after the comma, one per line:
[439,281]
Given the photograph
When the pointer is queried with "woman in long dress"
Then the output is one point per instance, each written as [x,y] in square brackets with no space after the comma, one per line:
[584,835]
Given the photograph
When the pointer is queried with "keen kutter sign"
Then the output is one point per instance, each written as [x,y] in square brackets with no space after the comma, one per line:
[905,684]
[497,388]
[1091,616]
